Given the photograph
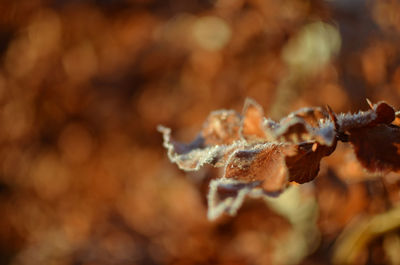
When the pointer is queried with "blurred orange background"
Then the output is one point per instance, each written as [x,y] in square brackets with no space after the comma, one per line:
[84,178]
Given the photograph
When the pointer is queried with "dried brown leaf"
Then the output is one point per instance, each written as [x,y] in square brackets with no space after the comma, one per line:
[312,116]
[274,165]
[304,166]
[221,127]
[293,130]
[252,122]
[191,157]
[298,129]
[264,163]
[227,196]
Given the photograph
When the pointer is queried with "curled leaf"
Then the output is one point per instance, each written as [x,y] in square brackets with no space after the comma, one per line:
[305,126]
[227,196]
[292,130]
[252,122]
[312,116]
[193,156]
[221,127]
[304,166]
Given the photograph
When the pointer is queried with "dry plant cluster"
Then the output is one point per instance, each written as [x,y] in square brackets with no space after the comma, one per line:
[260,156]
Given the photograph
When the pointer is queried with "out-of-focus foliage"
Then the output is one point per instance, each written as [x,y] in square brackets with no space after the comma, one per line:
[83,84]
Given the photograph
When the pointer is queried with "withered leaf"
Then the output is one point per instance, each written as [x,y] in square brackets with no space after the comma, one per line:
[384,112]
[227,196]
[274,165]
[304,166]
[377,148]
[312,116]
[221,127]
[252,121]
[302,126]
[292,129]
[193,156]
[264,163]
[212,146]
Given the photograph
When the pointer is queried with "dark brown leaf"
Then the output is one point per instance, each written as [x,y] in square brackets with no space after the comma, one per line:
[304,166]
[384,112]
